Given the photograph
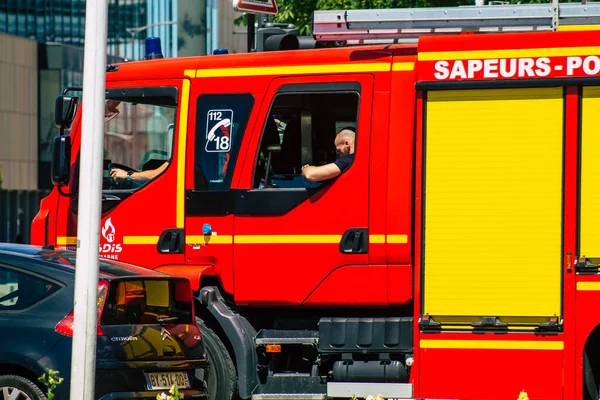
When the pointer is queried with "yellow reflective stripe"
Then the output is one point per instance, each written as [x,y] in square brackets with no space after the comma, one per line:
[183,115]
[392,239]
[587,286]
[213,239]
[403,66]
[578,28]
[287,239]
[513,53]
[248,239]
[470,328]
[397,239]
[492,344]
[376,238]
[294,70]
[140,239]
[66,240]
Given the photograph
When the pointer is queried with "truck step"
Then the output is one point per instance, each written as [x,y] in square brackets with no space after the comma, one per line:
[365,389]
[273,336]
[291,386]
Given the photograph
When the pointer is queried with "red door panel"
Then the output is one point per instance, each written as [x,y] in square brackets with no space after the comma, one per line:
[139,220]
[287,237]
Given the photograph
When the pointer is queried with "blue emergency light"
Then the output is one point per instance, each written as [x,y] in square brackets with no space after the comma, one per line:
[220,51]
[153,49]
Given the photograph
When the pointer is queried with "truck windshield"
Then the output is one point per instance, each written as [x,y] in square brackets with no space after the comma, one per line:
[139,129]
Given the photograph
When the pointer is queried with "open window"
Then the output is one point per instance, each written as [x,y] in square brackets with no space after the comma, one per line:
[300,129]
[138,135]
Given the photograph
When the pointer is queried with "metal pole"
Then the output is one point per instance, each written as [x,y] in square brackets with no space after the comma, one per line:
[555,15]
[83,359]
[251,20]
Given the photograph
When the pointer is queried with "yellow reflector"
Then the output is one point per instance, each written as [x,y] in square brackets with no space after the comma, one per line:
[273,348]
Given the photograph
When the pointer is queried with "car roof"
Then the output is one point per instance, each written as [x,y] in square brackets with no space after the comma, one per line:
[66,260]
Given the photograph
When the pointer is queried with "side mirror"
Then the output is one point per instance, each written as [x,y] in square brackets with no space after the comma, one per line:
[61,160]
[64,111]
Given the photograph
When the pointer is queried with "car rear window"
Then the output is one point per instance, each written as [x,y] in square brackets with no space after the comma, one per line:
[20,290]
[148,302]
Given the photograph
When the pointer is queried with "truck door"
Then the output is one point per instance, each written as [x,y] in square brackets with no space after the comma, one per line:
[142,213]
[291,235]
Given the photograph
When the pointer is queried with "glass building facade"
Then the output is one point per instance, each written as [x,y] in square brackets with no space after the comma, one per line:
[63,21]
[59,28]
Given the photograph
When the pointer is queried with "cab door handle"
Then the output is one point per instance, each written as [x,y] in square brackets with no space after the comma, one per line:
[171,241]
[355,241]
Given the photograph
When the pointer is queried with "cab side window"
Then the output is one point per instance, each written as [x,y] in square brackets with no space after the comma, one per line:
[221,122]
[139,126]
[299,130]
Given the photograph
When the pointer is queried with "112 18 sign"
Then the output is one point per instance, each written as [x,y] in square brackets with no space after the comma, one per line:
[218,131]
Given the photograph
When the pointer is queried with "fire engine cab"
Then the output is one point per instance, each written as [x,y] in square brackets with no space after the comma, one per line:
[455,258]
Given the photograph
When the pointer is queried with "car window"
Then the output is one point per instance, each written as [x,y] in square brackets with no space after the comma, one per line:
[145,301]
[20,290]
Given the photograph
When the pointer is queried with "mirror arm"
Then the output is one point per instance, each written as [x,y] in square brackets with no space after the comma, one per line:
[71,89]
[69,195]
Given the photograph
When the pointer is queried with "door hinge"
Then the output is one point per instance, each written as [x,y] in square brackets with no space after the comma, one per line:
[584,264]
[553,325]
[427,322]
[489,322]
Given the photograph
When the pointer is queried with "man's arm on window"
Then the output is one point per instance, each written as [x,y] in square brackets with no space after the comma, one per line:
[149,174]
[321,173]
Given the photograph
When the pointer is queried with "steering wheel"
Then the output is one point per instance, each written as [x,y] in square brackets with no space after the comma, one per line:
[121,183]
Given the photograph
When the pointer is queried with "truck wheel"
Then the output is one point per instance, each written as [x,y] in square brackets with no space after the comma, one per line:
[220,376]
[17,387]
[590,384]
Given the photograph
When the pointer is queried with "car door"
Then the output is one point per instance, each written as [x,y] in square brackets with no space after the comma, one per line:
[30,307]
[290,235]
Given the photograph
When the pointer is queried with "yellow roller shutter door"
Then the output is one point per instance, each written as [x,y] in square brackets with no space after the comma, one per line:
[590,174]
[493,204]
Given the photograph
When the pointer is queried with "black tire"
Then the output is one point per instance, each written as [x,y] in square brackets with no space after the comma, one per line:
[590,382]
[10,383]
[220,376]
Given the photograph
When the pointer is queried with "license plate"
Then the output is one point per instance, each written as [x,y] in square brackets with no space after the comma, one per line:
[165,380]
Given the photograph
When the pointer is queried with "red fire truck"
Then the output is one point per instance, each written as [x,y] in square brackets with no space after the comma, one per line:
[457,256]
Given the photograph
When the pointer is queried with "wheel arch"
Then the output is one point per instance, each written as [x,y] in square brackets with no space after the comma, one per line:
[591,365]
[239,336]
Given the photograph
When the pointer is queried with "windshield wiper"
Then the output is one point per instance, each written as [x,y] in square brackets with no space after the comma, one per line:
[168,319]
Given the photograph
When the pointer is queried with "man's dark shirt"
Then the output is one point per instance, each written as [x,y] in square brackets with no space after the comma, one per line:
[344,162]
